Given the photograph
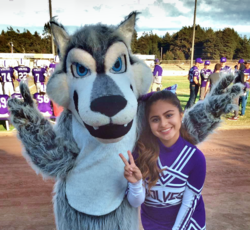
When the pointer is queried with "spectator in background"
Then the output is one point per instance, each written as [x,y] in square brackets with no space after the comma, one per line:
[213,78]
[205,73]
[237,67]
[239,79]
[193,77]
[157,76]
[224,67]
[244,97]
[247,68]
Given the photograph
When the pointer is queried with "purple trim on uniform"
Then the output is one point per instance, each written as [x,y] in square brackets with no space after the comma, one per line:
[187,218]
[184,154]
[172,171]
[192,188]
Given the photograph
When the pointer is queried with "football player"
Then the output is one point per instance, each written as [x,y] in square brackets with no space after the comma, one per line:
[8,77]
[23,71]
[39,75]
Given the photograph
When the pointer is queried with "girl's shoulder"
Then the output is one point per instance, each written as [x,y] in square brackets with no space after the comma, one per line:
[197,154]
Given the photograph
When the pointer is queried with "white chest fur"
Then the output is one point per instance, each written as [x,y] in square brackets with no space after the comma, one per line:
[96,185]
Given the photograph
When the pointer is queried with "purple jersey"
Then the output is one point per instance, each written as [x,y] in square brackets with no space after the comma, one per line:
[43,103]
[157,73]
[17,96]
[184,167]
[52,65]
[38,74]
[226,69]
[22,72]
[3,104]
[7,74]
[193,72]
[204,76]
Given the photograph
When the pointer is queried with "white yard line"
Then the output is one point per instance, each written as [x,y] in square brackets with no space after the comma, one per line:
[31,86]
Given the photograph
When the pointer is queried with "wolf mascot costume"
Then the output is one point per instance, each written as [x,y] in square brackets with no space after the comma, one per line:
[98,82]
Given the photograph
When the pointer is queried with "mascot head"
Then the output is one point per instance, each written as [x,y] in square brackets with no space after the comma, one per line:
[98,79]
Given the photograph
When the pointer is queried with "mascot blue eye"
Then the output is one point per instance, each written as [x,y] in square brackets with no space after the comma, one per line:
[119,66]
[81,70]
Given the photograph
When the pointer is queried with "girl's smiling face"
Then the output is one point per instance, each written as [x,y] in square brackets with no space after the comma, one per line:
[165,122]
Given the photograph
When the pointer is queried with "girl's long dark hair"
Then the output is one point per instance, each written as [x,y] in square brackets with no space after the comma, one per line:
[148,145]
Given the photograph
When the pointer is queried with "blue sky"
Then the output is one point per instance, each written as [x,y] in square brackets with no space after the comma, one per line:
[159,16]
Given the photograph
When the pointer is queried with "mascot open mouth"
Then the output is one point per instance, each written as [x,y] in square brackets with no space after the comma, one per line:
[109,131]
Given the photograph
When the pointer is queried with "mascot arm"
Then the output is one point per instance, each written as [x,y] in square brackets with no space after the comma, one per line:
[52,152]
[205,116]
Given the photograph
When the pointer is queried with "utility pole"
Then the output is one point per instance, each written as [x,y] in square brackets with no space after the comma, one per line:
[192,51]
[11,47]
[52,40]
[161,53]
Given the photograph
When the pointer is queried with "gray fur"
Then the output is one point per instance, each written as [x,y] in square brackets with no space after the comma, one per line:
[125,217]
[61,36]
[95,39]
[104,86]
[53,152]
[205,116]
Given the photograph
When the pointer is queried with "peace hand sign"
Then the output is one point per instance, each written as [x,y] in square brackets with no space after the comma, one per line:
[131,172]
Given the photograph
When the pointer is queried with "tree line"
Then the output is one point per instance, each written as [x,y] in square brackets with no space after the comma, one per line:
[209,44]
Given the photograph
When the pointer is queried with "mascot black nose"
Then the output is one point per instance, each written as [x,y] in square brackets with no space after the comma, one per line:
[108,105]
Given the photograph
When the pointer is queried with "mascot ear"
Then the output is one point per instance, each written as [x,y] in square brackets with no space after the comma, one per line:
[60,35]
[126,28]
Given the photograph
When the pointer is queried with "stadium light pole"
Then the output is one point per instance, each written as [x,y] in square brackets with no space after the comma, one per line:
[192,51]
[52,40]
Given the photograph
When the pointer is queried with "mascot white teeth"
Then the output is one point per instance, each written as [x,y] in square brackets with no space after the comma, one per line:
[98,82]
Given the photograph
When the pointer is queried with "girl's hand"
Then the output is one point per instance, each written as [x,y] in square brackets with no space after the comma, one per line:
[131,172]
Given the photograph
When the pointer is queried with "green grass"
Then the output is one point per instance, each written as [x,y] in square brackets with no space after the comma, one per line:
[183,95]
[3,127]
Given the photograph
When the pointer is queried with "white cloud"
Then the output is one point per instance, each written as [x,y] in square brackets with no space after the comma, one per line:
[157,15]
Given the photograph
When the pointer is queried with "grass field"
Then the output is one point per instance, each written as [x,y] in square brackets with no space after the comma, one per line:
[183,95]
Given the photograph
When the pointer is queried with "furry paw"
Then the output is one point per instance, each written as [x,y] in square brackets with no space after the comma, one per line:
[220,101]
[23,112]
[222,85]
